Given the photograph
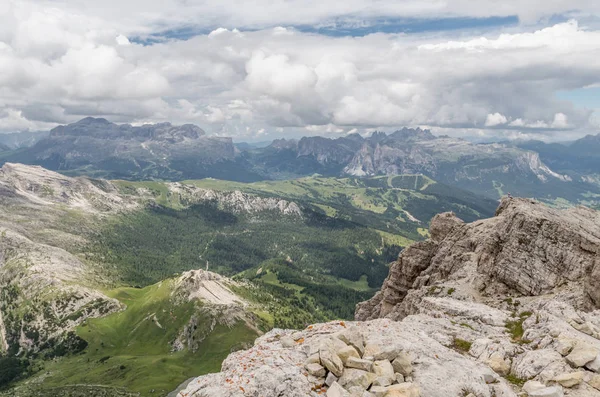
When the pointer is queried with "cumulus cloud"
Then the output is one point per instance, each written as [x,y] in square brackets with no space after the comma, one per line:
[58,64]
[495,119]
[560,121]
[122,40]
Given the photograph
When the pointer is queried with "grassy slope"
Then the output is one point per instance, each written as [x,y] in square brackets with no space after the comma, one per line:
[151,245]
[387,203]
[129,350]
[393,204]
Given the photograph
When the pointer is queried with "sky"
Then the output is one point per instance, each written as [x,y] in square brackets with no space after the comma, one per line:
[265,69]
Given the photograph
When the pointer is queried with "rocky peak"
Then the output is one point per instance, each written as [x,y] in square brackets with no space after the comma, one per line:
[100,128]
[43,187]
[93,121]
[527,249]
[82,127]
[443,224]
[377,136]
[355,137]
[284,144]
[326,150]
[206,286]
[410,134]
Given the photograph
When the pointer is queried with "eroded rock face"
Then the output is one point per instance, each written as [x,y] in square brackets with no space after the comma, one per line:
[527,249]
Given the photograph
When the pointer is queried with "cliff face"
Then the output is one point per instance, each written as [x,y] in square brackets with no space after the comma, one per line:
[499,307]
[527,249]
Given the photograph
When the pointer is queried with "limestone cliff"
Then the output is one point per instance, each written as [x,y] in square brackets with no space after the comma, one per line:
[527,249]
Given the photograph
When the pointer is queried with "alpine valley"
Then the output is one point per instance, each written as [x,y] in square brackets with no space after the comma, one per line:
[130,288]
[134,259]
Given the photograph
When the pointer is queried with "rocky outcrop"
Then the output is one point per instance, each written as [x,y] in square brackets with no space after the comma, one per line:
[527,249]
[399,359]
[44,295]
[206,286]
[39,186]
[235,201]
[216,304]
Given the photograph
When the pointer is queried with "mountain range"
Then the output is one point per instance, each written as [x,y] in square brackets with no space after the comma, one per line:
[131,286]
[550,172]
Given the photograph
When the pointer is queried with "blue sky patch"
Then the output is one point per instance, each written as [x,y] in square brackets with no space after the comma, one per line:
[582,97]
[345,27]
[351,27]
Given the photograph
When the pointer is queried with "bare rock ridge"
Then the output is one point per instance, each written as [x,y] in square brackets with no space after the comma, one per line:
[38,186]
[527,249]
[43,187]
[499,307]
[207,286]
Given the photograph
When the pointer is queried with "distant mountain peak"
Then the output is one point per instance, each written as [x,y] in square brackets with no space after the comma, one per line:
[100,128]
[92,120]
[413,134]
[355,137]
[284,143]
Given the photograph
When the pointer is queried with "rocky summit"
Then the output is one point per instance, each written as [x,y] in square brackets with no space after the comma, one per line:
[527,249]
[505,306]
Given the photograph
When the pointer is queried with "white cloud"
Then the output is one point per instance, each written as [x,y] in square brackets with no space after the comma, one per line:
[217,32]
[278,77]
[560,121]
[59,63]
[122,40]
[495,119]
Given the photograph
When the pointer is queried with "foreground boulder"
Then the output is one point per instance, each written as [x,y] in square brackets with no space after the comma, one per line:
[270,369]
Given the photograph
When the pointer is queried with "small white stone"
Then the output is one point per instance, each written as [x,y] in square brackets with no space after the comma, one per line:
[533,385]
[382,381]
[570,379]
[594,365]
[316,370]
[582,354]
[359,363]
[402,364]
[330,379]
[335,390]
[554,391]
